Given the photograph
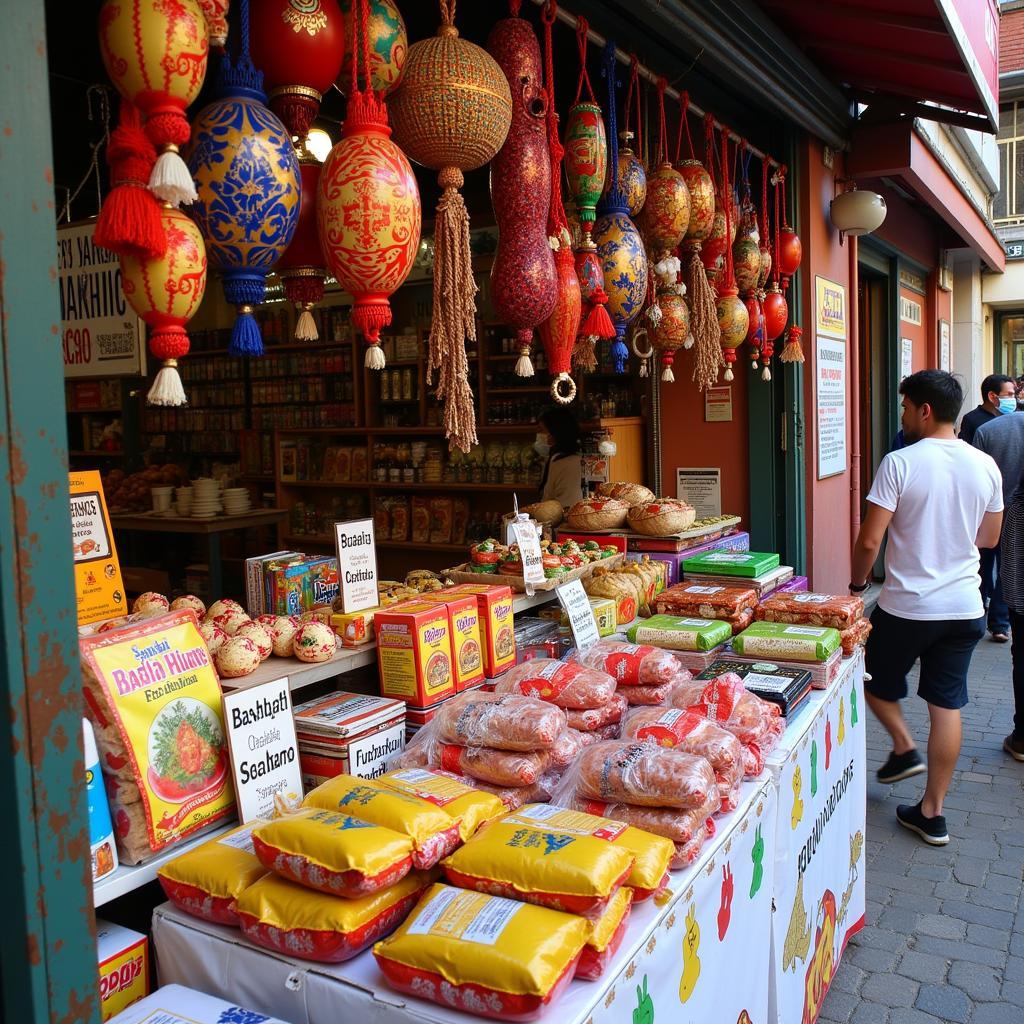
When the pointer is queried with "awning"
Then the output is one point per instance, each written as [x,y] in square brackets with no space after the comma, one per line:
[908,52]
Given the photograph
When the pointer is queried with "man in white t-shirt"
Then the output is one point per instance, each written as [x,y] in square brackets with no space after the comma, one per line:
[940,499]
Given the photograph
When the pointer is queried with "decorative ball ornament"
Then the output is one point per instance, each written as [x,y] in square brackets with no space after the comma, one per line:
[302,267]
[632,176]
[389,46]
[755,328]
[746,258]
[766,265]
[298,45]
[586,159]
[666,212]
[216,12]
[791,252]
[247,178]
[776,313]
[166,291]
[672,330]
[701,190]
[713,252]
[733,322]
[620,250]
[155,52]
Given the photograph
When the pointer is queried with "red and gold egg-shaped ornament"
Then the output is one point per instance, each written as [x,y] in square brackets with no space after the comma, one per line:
[733,322]
[595,323]
[302,267]
[368,212]
[672,330]
[666,213]
[746,261]
[216,12]
[155,52]
[166,292]
[389,46]
[558,333]
[298,45]
[701,190]
[791,253]
[765,271]
[755,338]
[776,313]
[722,236]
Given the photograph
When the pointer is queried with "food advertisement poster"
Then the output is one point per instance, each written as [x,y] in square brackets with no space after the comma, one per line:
[263,747]
[357,565]
[830,401]
[819,849]
[831,308]
[98,584]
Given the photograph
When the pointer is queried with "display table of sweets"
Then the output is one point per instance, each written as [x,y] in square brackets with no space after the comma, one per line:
[678,960]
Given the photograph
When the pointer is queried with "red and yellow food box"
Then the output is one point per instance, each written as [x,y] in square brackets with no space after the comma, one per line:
[123,957]
[496,628]
[464,623]
[414,651]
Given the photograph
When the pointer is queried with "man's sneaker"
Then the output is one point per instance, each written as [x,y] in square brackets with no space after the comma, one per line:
[900,766]
[1014,746]
[931,830]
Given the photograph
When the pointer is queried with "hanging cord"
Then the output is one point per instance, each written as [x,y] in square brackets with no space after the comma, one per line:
[767,345]
[102,93]
[615,197]
[661,154]
[633,95]
[582,28]
[684,125]
[775,238]
[730,276]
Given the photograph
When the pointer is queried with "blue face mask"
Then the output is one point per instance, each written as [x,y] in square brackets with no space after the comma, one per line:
[1007,405]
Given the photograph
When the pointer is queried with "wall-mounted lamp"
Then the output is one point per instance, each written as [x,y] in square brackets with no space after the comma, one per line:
[856,212]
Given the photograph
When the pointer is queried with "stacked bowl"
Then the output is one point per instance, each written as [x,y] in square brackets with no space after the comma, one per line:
[236,501]
[206,498]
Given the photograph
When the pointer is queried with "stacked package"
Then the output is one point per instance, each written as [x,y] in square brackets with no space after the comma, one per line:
[839,612]
[643,674]
[733,604]
[695,642]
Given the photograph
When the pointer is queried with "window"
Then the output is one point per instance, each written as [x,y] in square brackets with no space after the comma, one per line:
[1008,205]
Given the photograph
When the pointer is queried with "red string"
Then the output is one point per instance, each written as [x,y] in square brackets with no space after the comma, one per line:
[775,254]
[355,47]
[513,6]
[709,149]
[582,28]
[557,219]
[684,125]
[364,37]
[730,278]
[782,177]
[661,86]
[765,239]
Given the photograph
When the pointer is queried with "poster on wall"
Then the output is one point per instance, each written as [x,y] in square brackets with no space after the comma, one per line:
[701,488]
[98,584]
[906,357]
[830,376]
[831,308]
[101,335]
[718,405]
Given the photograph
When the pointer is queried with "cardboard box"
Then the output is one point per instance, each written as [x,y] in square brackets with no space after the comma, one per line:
[497,631]
[464,623]
[123,958]
[750,564]
[354,628]
[176,1003]
[414,651]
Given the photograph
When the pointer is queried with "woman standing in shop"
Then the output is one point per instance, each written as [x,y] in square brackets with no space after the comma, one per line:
[559,442]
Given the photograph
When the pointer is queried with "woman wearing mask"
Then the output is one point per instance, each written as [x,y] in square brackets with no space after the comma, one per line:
[559,443]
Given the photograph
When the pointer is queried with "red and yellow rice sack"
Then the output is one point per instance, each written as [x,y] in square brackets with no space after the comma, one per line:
[470,807]
[606,935]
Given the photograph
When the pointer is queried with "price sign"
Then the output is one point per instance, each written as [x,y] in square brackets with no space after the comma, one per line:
[576,605]
[357,565]
[529,550]
[97,570]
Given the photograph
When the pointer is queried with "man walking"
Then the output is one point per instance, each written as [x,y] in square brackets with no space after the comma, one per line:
[998,394]
[940,500]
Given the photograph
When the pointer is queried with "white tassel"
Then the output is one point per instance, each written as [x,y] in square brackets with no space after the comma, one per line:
[524,365]
[644,371]
[305,327]
[170,181]
[689,341]
[728,373]
[766,374]
[167,388]
[753,365]
[668,376]
[374,358]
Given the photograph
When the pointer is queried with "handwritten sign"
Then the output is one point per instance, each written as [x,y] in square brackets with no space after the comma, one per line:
[263,748]
[357,565]
[525,533]
[98,583]
[578,609]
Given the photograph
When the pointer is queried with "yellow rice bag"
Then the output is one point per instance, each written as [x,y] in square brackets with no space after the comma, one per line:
[206,880]
[604,928]
[431,829]
[335,853]
[472,807]
[292,919]
[539,864]
[652,853]
[491,956]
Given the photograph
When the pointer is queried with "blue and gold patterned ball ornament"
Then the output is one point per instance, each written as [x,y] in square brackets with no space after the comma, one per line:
[247,176]
[619,245]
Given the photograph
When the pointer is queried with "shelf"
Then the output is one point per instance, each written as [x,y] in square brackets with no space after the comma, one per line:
[327,484]
[86,453]
[94,412]
[531,390]
[301,674]
[422,545]
[445,485]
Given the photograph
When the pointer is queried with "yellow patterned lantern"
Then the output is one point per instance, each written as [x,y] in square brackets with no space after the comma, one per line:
[702,200]
[389,46]
[666,212]
[734,322]
[166,292]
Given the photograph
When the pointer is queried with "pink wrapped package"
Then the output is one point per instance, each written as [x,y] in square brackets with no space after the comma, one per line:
[632,664]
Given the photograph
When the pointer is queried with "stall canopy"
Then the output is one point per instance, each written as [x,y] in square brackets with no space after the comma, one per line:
[912,55]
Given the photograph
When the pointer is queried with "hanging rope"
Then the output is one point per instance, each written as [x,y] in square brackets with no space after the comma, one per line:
[730,276]
[582,28]
[662,151]
[633,94]
[684,125]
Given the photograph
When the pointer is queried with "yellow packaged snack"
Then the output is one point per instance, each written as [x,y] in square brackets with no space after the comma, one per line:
[470,807]
[335,853]
[207,880]
[486,955]
[606,935]
[296,921]
[432,831]
[537,863]
[652,854]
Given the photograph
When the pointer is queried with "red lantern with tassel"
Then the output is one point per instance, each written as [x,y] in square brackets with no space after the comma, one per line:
[776,313]
[559,331]
[302,266]
[755,328]
[733,320]
[368,206]
[789,249]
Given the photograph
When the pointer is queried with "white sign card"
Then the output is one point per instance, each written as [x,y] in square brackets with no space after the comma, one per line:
[944,345]
[525,533]
[906,358]
[263,748]
[574,601]
[101,335]
[830,378]
[357,565]
[701,488]
[718,404]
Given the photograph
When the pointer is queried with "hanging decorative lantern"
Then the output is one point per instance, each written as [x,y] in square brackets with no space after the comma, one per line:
[733,321]
[166,291]
[247,176]
[632,175]
[298,45]
[155,54]
[619,245]
[776,313]
[451,112]
[666,213]
[755,328]
[789,250]
[368,206]
[302,267]
[216,12]
[671,329]
[389,46]
[765,271]
[723,227]
[524,282]
[746,257]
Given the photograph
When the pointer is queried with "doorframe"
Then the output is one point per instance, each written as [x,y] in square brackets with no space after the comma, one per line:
[1002,315]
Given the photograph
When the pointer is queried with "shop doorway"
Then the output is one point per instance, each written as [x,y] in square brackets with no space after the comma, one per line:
[1009,335]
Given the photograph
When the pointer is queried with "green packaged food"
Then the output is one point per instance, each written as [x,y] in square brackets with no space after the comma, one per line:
[786,642]
[680,634]
[749,564]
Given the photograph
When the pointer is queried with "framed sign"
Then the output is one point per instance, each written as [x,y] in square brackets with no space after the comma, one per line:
[830,395]
[944,345]
[701,488]
[830,308]
[357,565]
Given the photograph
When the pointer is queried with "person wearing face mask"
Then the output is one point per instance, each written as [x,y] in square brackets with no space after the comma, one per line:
[558,442]
[998,395]
[940,500]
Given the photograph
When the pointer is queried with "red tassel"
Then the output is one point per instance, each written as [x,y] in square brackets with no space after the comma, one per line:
[598,324]
[129,223]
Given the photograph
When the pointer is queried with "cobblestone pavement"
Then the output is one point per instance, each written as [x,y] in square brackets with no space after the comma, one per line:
[944,939]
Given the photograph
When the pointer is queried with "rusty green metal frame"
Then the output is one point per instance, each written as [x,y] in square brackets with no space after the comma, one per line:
[47,945]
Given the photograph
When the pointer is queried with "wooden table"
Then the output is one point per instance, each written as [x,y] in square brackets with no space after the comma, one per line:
[210,528]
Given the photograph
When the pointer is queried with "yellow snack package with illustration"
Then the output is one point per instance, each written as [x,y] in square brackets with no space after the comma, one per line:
[488,955]
[471,807]
[207,880]
[296,921]
[652,854]
[336,853]
[539,863]
[432,830]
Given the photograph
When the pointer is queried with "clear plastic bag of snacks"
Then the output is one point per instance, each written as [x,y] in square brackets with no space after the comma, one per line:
[631,664]
[566,684]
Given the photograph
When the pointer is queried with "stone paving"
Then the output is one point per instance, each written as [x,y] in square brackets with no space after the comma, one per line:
[944,939]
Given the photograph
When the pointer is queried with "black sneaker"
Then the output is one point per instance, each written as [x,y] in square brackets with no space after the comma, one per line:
[1014,746]
[900,766]
[931,830]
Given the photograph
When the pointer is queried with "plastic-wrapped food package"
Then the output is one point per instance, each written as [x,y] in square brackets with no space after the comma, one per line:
[687,853]
[670,822]
[631,664]
[839,611]
[504,721]
[648,696]
[606,935]
[498,767]
[597,718]
[566,749]
[708,601]
[566,684]
[514,797]
[622,771]
[455,795]
[856,634]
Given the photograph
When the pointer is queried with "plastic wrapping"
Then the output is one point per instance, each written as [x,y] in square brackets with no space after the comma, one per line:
[631,664]
[504,721]
[598,718]
[707,601]
[566,749]
[514,797]
[648,696]
[687,853]
[838,611]
[669,822]
[856,634]
[566,684]
[606,936]
[503,768]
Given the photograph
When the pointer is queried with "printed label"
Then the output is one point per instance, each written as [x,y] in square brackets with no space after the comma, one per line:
[371,756]
[469,916]
[703,590]
[817,631]
[550,680]
[727,558]
[670,728]
[242,839]
[695,623]
[568,821]
[439,790]
[719,700]
[811,598]
[774,684]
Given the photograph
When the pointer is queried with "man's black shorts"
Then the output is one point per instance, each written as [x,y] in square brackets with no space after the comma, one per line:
[944,646]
